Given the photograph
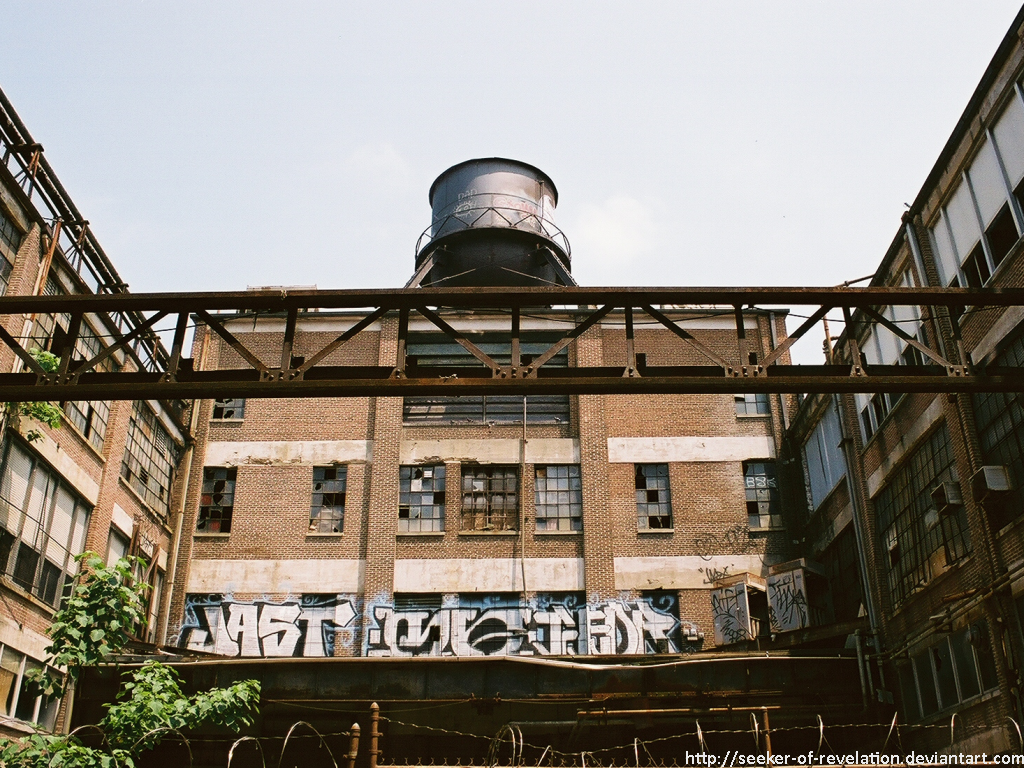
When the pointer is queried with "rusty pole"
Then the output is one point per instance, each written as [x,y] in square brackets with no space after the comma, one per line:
[767,736]
[353,745]
[374,733]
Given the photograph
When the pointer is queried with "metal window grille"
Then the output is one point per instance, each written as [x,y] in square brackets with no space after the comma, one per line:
[919,539]
[559,497]
[490,498]
[752,404]
[764,505]
[327,508]
[10,242]
[42,525]
[218,500]
[90,416]
[150,457]
[1000,421]
[653,501]
[228,408]
[437,350]
[421,498]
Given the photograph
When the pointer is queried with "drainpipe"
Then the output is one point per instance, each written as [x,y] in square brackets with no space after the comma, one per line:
[861,664]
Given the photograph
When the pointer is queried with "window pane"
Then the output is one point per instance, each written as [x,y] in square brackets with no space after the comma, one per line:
[963,221]
[987,182]
[1009,133]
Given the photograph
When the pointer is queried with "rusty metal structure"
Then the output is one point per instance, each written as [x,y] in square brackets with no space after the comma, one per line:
[288,376]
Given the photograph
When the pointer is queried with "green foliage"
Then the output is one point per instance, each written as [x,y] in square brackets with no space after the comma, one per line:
[152,705]
[43,412]
[96,621]
[94,624]
[41,750]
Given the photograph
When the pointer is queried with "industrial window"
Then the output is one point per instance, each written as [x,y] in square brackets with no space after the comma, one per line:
[421,498]
[752,405]
[921,541]
[90,417]
[952,671]
[825,463]
[150,457]
[117,546]
[218,500]
[490,498]
[559,497]
[653,502]
[20,694]
[1000,420]
[976,227]
[764,505]
[327,509]
[225,408]
[10,242]
[883,347]
[438,351]
[843,570]
[42,525]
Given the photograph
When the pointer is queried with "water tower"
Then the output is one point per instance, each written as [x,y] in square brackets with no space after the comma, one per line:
[492,225]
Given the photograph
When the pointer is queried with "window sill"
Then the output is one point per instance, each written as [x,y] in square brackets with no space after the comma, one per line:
[205,535]
[416,534]
[650,531]
[319,535]
[753,415]
[226,421]
[488,533]
[19,590]
[558,533]
[769,529]
[85,440]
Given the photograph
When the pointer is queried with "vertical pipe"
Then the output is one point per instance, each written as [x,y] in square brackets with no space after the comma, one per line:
[353,745]
[374,733]
[860,669]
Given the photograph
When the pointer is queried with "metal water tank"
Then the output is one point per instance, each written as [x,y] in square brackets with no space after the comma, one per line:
[492,225]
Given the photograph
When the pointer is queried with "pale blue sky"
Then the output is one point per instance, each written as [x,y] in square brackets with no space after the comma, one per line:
[216,145]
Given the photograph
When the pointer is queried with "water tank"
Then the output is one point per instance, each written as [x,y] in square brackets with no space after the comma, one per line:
[492,225]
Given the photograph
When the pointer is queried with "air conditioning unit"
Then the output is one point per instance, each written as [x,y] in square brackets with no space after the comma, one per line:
[990,481]
[947,496]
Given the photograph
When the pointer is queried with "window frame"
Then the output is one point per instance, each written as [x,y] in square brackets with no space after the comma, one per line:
[752,404]
[660,502]
[216,512]
[569,498]
[150,453]
[764,494]
[411,517]
[228,409]
[485,517]
[332,487]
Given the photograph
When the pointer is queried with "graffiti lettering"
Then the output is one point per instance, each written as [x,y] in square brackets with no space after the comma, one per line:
[304,628]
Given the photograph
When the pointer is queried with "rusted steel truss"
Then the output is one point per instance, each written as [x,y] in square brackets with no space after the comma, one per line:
[742,371]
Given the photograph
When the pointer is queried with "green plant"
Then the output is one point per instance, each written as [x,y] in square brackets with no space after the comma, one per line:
[43,412]
[95,624]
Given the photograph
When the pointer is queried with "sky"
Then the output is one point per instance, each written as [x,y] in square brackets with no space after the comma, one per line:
[220,145]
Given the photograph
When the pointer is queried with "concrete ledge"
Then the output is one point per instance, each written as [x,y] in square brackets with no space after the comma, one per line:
[630,450]
[277,576]
[547,574]
[277,452]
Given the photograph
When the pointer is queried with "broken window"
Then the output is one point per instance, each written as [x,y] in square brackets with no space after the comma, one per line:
[226,408]
[921,540]
[327,510]
[218,500]
[10,242]
[90,416]
[43,525]
[752,404]
[20,694]
[421,498]
[438,351]
[490,498]
[764,504]
[653,502]
[559,497]
[150,457]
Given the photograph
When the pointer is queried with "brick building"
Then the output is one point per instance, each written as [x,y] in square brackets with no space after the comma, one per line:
[102,481]
[915,500]
[446,526]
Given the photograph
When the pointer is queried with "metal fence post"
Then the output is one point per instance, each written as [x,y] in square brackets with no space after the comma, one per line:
[374,733]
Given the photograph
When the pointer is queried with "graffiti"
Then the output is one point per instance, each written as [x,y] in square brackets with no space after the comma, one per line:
[732,541]
[787,601]
[563,627]
[711,575]
[731,613]
[306,627]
